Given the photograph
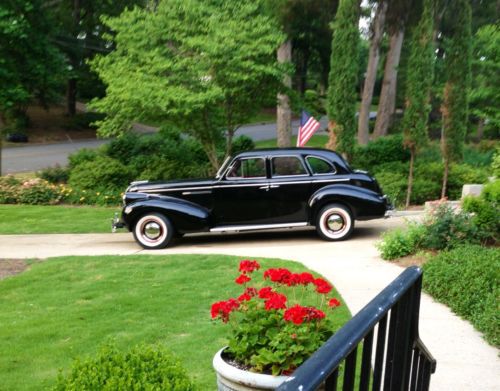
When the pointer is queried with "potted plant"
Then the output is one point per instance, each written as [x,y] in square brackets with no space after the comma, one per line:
[274,325]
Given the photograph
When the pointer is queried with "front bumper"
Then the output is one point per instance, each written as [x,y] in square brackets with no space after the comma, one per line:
[116,223]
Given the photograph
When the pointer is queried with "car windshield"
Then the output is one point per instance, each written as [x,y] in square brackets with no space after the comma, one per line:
[223,167]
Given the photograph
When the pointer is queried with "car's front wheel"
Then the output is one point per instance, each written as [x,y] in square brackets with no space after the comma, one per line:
[334,222]
[153,231]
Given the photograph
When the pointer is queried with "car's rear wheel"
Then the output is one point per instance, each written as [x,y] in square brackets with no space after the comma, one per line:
[334,222]
[153,231]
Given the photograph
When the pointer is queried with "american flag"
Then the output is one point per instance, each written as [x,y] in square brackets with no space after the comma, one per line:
[308,125]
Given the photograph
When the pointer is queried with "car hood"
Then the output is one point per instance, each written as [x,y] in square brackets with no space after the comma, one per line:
[151,187]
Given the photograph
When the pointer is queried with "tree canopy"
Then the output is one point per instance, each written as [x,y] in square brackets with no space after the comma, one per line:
[205,66]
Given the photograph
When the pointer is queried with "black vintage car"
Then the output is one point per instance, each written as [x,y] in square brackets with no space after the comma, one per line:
[255,190]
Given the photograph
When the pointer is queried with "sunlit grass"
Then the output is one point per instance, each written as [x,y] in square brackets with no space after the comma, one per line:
[31,219]
[66,307]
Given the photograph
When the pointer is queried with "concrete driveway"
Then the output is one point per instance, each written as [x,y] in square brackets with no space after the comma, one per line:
[464,360]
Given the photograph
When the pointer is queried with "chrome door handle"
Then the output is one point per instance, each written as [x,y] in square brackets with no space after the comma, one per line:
[266,187]
[274,186]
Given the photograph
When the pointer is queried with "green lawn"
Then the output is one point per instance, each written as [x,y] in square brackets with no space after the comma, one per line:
[33,219]
[66,307]
[316,141]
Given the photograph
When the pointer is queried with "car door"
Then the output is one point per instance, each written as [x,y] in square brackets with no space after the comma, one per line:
[289,189]
[242,195]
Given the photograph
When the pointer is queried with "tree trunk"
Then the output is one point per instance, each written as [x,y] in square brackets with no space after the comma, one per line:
[377,31]
[283,111]
[387,101]
[480,129]
[71,97]
[410,176]
[445,177]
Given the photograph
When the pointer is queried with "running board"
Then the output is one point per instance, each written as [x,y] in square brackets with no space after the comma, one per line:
[236,228]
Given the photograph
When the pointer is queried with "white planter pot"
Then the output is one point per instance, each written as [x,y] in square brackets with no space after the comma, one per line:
[230,378]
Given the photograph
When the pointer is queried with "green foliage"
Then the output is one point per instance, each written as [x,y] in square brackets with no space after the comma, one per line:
[207,66]
[399,243]
[82,156]
[446,228]
[485,211]
[141,368]
[485,92]
[495,164]
[242,143]
[467,280]
[30,65]
[101,173]
[56,174]
[419,78]
[379,151]
[33,191]
[457,66]
[342,80]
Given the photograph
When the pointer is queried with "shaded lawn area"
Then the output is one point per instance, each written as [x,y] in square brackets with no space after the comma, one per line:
[35,219]
[66,307]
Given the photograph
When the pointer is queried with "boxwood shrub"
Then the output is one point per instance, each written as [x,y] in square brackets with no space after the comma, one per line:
[467,279]
[141,368]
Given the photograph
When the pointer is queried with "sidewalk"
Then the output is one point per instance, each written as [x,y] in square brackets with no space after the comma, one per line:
[464,360]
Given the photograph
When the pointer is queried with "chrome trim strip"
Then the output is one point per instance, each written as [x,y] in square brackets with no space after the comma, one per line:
[244,185]
[197,192]
[256,227]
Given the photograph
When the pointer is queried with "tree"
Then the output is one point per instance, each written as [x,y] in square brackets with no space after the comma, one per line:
[80,35]
[397,14]
[376,35]
[203,66]
[342,95]
[419,81]
[30,65]
[485,91]
[455,95]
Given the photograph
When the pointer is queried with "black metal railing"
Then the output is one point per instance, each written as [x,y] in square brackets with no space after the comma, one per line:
[384,337]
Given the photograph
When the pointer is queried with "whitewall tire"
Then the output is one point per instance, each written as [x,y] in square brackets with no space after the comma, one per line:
[153,231]
[334,222]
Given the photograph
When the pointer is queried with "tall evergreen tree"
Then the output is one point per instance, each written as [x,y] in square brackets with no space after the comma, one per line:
[418,87]
[458,51]
[342,95]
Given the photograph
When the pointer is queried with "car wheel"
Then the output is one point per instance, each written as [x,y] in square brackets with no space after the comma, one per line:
[334,222]
[153,231]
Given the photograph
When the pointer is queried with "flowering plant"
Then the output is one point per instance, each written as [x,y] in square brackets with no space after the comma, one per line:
[271,329]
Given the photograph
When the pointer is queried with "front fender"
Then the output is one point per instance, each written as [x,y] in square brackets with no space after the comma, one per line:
[185,216]
[364,204]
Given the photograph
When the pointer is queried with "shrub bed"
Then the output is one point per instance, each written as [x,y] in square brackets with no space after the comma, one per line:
[466,279]
[141,368]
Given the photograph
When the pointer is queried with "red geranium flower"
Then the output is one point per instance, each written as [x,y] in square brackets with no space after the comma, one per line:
[248,266]
[266,292]
[322,286]
[277,301]
[306,278]
[280,275]
[222,309]
[295,314]
[242,279]
[333,303]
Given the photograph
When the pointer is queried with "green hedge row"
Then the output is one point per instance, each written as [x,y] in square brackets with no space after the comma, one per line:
[467,279]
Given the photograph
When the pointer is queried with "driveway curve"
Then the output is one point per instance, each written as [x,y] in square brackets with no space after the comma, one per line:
[464,360]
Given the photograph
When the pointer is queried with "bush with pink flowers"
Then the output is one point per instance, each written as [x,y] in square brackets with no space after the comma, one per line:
[278,323]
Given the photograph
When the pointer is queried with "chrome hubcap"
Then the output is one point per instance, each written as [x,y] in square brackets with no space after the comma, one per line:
[152,230]
[335,222]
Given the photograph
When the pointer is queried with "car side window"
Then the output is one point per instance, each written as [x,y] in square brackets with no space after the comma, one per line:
[287,165]
[248,168]
[320,166]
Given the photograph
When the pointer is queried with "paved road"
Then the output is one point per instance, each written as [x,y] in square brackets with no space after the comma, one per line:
[464,361]
[37,157]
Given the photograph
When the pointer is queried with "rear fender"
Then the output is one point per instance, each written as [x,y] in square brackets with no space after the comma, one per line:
[364,203]
[185,216]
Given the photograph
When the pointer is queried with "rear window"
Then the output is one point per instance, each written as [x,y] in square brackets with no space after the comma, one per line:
[320,166]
